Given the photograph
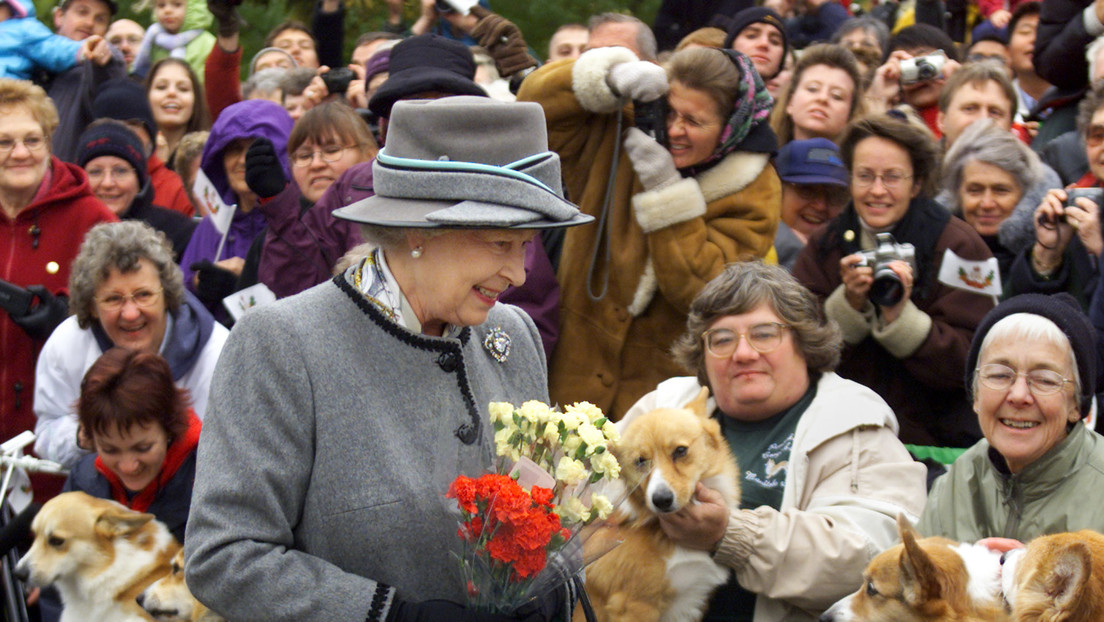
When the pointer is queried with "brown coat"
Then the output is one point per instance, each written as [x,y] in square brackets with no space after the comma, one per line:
[666,243]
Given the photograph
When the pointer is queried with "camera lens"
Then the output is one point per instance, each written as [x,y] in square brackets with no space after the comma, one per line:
[925,71]
[887,289]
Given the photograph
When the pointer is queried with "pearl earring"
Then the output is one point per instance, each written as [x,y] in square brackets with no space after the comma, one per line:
[416,253]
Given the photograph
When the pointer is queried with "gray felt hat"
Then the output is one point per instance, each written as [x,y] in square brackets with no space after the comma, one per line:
[466,162]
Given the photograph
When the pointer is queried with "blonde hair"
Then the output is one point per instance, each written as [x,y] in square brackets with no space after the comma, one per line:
[15,93]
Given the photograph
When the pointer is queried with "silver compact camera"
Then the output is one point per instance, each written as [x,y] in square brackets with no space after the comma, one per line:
[923,68]
[887,289]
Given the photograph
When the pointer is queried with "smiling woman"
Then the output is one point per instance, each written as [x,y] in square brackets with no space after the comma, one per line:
[179,106]
[1032,372]
[905,348]
[824,94]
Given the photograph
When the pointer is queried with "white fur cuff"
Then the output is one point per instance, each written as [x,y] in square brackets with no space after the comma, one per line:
[588,78]
[906,334]
[669,205]
[854,325]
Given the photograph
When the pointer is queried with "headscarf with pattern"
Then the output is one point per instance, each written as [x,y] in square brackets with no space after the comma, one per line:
[752,107]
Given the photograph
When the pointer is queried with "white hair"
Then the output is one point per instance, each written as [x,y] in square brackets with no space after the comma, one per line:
[1020,327]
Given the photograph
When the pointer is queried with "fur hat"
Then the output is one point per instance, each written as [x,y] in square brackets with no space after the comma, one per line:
[422,64]
[1066,313]
[113,138]
[466,162]
[755,15]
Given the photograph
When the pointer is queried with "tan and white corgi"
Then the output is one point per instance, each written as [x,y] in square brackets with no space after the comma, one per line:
[1057,578]
[168,599]
[664,454]
[99,554]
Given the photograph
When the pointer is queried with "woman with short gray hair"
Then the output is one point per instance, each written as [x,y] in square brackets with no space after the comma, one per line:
[822,469]
[985,176]
[127,292]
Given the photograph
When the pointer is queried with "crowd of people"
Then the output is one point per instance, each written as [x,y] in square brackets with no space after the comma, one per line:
[266,309]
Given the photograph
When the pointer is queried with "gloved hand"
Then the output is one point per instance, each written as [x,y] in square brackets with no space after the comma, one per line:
[503,40]
[225,13]
[651,161]
[638,80]
[44,317]
[263,173]
[214,282]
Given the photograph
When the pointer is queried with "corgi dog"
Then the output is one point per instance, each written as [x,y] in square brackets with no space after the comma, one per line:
[99,554]
[1057,577]
[665,453]
[168,599]
[926,580]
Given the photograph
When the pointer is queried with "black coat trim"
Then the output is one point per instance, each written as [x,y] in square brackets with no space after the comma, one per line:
[467,433]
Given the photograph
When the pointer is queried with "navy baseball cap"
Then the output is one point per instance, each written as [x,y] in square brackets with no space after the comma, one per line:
[812,161]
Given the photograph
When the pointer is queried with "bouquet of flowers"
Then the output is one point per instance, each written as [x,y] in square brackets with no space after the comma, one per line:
[521,525]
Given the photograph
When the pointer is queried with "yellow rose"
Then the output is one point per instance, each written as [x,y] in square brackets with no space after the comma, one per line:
[551,432]
[534,411]
[588,410]
[501,412]
[606,462]
[572,510]
[570,471]
[571,420]
[571,443]
[609,428]
[592,436]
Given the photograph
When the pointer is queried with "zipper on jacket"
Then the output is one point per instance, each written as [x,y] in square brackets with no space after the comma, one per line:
[1013,498]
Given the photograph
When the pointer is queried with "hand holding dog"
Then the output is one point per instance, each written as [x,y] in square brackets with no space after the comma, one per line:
[699,525]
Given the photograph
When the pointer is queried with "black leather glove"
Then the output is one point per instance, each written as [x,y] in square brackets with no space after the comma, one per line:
[225,13]
[263,173]
[503,40]
[214,282]
[44,317]
[437,610]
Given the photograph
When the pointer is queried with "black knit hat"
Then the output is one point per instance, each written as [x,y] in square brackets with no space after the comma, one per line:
[113,139]
[124,99]
[426,63]
[755,15]
[1066,313]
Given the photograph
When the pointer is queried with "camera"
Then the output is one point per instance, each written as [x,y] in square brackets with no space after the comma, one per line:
[14,299]
[1096,195]
[651,118]
[887,289]
[923,68]
[337,80]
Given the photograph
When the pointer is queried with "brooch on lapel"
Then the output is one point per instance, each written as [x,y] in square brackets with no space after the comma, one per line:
[497,343]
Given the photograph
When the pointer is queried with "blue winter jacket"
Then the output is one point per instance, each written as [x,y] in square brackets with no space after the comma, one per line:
[27,45]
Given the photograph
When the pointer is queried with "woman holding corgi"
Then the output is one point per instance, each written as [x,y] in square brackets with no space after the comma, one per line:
[823,474]
[340,416]
[1032,373]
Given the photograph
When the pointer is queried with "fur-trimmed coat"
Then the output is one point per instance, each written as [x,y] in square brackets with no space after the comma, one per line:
[667,243]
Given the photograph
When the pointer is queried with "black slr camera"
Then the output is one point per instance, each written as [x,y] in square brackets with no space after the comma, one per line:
[337,80]
[1096,195]
[651,118]
[887,289]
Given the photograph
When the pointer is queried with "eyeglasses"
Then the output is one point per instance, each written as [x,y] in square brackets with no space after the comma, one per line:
[144,298]
[890,179]
[763,338]
[1040,381]
[32,143]
[117,172]
[834,196]
[329,154]
[131,39]
[1094,135]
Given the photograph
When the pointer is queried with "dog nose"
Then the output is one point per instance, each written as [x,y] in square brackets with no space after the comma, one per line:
[141,599]
[21,572]
[663,500]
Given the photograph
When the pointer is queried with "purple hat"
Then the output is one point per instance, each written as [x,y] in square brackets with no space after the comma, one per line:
[812,161]
[377,64]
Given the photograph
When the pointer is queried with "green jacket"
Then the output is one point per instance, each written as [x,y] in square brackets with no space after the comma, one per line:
[977,499]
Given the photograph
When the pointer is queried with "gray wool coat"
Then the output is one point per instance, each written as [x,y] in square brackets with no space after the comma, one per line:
[330,439]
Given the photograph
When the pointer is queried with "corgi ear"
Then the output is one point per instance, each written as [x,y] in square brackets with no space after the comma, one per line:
[1071,571]
[919,575]
[697,405]
[120,521]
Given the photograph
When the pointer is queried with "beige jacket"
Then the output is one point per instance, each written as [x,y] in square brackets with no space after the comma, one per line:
[848,477]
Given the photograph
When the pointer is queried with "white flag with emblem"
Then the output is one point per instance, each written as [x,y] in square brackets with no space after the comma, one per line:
[982,277]
[208,195]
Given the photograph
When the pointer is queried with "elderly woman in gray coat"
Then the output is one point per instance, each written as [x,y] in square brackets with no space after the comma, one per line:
[341,414]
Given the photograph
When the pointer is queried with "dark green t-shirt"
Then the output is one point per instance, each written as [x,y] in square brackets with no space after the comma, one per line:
[762,450]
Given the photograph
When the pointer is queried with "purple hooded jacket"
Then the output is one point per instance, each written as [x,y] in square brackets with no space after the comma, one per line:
[248,119]
[539,296]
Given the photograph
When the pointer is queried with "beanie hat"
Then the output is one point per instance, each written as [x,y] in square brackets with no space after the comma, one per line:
[1066,313]
[113,139]
[755,15]
[124,99]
